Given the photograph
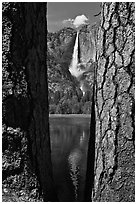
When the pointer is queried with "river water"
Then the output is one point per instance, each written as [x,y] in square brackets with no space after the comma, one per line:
[69,144]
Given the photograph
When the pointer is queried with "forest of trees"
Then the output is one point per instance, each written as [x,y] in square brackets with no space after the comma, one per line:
[70,103]
[27,168]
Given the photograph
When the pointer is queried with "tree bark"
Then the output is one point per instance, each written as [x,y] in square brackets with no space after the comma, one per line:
[35,63]
[114,170]
[29,50]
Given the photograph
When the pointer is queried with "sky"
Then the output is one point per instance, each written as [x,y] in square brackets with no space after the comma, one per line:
[61,14]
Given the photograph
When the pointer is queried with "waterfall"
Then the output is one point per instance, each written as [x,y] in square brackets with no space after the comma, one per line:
[75,66]
[74,62]
[78,68]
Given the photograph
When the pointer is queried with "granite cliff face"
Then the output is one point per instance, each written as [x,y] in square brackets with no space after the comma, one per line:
[86,44]
[87,56]
[56,42]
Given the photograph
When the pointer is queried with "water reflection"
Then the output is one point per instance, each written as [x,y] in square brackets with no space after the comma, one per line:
[69,143]
[74,160]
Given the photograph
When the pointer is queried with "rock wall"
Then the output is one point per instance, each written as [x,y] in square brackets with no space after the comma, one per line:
[86,44]
[87,54]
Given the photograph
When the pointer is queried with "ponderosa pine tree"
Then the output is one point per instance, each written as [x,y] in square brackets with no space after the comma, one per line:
[111,162]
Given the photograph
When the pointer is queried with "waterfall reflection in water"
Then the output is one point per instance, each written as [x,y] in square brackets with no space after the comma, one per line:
[69,143]
[74,160]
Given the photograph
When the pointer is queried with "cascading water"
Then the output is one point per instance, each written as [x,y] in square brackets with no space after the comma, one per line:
[74,63]
[76,68]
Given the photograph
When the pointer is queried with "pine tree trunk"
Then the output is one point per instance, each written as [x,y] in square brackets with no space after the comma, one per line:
[35,63]
[114,170]
[29,50]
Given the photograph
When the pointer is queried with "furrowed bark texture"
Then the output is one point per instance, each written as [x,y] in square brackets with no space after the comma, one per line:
[29,46]
[35,63]
[114,151]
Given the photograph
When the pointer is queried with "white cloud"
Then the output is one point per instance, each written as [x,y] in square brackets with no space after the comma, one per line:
[80,20]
